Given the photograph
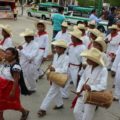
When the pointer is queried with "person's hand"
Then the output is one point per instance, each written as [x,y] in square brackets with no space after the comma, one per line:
[20,47]
[44,59]
[12,94]
[86,87]
[52,69]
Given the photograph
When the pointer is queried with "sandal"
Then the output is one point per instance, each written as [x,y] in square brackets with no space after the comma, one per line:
[41,113]
[25,115]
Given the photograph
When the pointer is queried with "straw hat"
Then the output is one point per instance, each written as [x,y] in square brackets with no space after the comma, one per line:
[60,43]
[27,32]
[94,55]
[65,24]
[92,23]
[113,27]
[76,33]
[95,31]
[80,26]
[101,41]
[6,28]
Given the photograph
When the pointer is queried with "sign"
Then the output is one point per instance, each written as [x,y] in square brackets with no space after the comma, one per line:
[7,0]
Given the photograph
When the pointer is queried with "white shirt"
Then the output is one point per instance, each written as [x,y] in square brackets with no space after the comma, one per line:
[29,52]
[86,40]
[63,36]
[60,63]
[7,43]
[74,54]
[95,18]
[97,78]
[5,71]
[43,43]
[113,44]
[116,61]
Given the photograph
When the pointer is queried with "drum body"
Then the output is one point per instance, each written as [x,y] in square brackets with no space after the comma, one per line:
[102,99]
[58,78]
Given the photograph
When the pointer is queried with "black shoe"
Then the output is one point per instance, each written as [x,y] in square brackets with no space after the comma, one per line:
[71,82]
[57,108]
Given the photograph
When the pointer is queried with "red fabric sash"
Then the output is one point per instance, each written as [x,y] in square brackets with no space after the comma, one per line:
[74,102]
[2,42]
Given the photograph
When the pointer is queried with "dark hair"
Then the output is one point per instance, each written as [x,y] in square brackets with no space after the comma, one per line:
[41,24]
[15,53]
[60,9]
[113,9]
[93,11]
[7,34]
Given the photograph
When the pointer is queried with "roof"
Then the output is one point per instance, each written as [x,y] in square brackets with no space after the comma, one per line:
[49,4]
[84,9]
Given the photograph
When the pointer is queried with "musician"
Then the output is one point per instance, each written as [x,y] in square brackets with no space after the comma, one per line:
[63,34]
[42,40]
[28,54]
[100,44]
[94,33]
[6,33]
[60,65]
[116,69]
[85,38]
[96,76]
[113,41]
[9,85]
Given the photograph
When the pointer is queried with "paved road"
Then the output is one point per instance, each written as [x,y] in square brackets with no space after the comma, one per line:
[33,102]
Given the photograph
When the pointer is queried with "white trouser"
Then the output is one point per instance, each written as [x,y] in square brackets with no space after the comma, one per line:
[73,71]
[53,94]
[29,71]
[117,83]
[83,111]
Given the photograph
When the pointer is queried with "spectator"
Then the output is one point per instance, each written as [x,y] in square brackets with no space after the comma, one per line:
[57,20]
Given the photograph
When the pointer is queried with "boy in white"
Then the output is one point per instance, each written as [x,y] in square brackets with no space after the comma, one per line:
[6,33]
[116,68]
[85,38]
[63,34]
[60,65]
[75,62]
[96,75]
[41,38]
[28,53]
[113,40]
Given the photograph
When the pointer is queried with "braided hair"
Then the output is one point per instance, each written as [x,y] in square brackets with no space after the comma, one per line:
[15,53]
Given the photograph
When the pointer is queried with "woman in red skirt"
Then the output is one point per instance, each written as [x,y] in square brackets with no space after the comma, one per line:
[9,84]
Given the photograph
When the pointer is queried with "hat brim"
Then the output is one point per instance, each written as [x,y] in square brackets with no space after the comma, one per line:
[92,58]
[58,45]
[5,29]
[113,28]
[25,34]
[72,33]
[104,46]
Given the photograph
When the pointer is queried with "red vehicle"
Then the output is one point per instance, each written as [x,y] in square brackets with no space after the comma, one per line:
[6,8]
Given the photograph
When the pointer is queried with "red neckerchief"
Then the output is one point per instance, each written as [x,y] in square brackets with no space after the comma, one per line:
[113,35]
[90,44]
[76,44]
[42,33]
[2,42]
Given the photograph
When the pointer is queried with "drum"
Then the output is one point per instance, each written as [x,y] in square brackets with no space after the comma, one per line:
[58,78]
[102,99]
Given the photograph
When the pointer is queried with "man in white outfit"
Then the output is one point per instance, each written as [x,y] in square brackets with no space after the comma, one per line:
[63,34]
[96,76]
[59,65]
[28,53]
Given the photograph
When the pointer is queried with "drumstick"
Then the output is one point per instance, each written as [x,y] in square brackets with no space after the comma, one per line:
[81,89]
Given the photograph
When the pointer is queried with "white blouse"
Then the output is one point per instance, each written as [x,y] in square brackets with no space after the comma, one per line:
[6,73]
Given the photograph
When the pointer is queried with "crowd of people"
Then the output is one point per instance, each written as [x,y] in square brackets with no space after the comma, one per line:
[84,54]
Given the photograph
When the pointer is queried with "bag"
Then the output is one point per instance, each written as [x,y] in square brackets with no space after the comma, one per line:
[24,89]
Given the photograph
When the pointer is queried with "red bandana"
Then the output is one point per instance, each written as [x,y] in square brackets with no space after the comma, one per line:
[42,33]
[76,44]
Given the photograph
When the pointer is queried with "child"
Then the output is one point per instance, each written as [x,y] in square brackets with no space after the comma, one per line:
[41,38]
[96,74]
[60,65]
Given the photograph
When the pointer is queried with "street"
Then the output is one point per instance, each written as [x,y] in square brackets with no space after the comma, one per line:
[33,102]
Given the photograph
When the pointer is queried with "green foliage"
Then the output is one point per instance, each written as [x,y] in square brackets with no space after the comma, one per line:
[92,2]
